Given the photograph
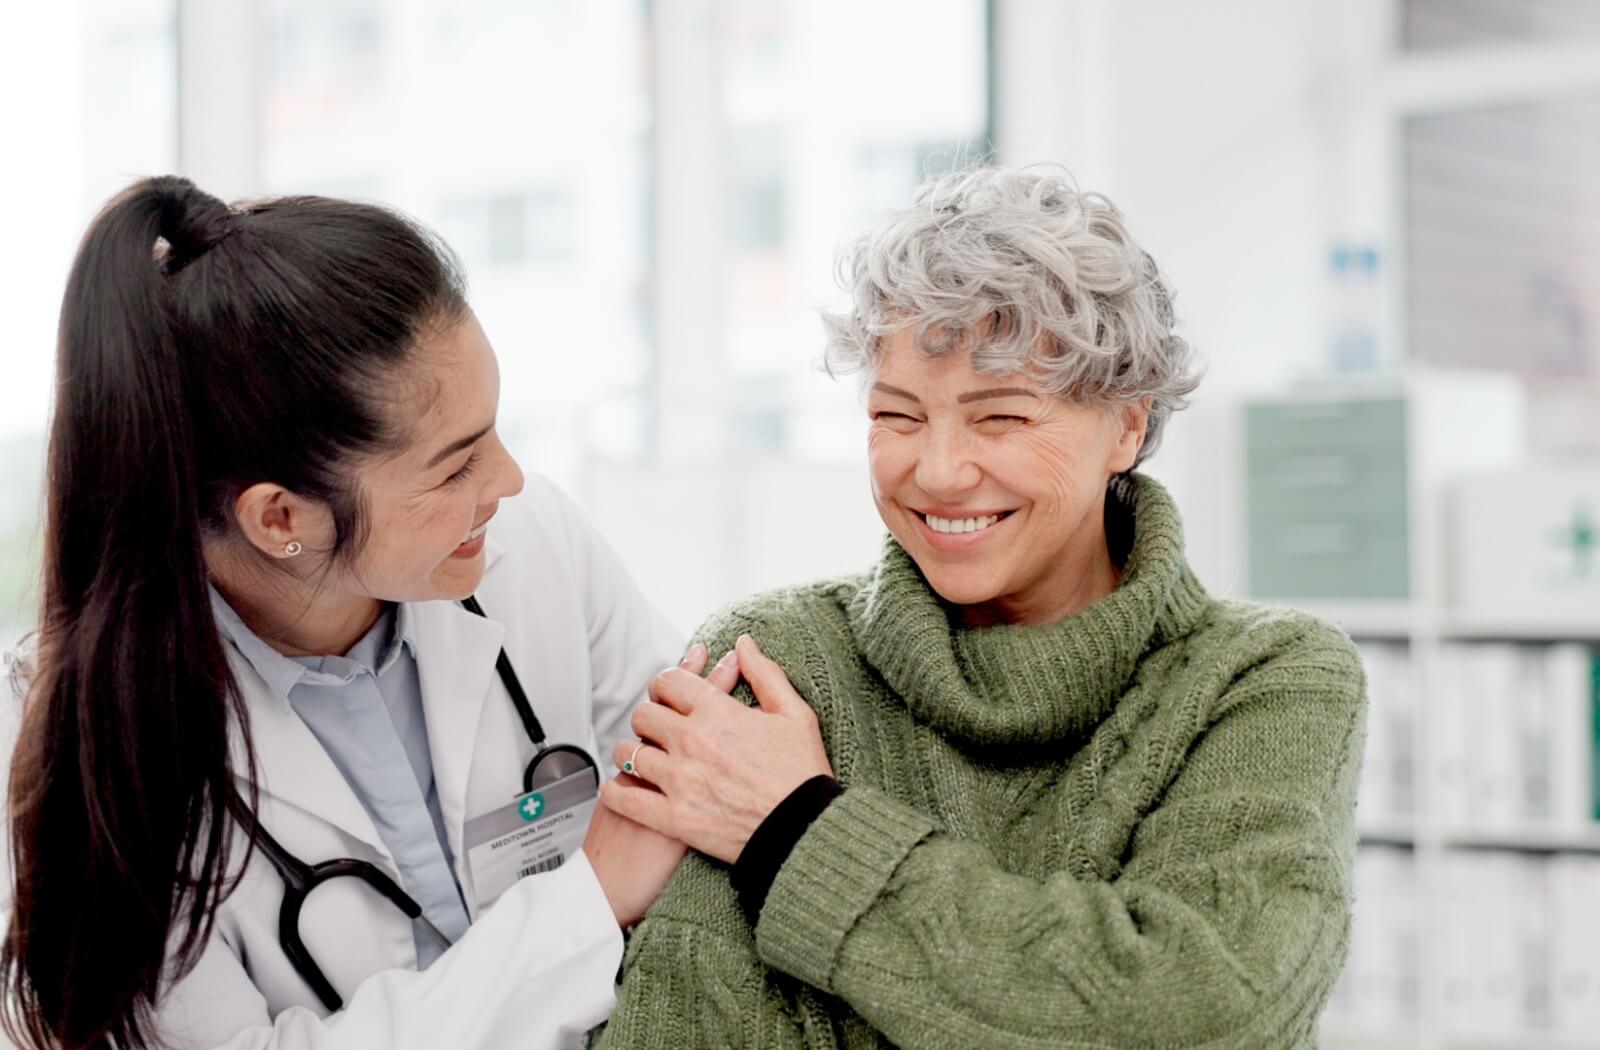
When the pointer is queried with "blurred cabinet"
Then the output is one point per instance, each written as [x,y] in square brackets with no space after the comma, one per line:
[1338,478]
[1525,545]
[1326,505]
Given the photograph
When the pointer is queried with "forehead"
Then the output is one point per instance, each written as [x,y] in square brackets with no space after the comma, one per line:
[901,364]
[458,357]
[454,385]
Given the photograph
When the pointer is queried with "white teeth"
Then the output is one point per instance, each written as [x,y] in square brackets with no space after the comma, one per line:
[938,524]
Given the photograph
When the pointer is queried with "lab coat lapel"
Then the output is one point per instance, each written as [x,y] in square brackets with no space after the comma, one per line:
[291,765]
[456,653]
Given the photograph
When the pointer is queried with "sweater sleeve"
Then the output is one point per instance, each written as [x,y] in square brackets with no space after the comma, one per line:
[691,976]
[1227,924]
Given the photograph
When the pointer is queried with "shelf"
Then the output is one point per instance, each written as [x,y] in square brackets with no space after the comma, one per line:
[1335,1035]
[1525,839]
[1525,1041]
[1379,621]
[1374,620]
[1400,831]
[1480,627]
[1386,831]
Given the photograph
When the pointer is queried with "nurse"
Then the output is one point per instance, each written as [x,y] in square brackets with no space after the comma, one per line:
[312,694]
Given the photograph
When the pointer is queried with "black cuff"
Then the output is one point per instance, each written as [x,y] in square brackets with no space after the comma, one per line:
[757,867]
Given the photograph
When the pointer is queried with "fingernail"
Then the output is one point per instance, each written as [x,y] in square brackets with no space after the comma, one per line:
[728,659]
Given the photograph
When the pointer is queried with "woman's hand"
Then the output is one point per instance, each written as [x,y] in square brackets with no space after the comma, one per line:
[715,768]
[633,862]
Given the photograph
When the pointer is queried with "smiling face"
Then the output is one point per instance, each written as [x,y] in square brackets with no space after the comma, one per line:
[429,505]
[993,486]
[424,509]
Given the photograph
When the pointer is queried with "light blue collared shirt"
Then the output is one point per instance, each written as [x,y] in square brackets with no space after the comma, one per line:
[366,709]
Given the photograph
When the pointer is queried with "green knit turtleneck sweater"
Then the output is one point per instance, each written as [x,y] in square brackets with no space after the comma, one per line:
[1130,828]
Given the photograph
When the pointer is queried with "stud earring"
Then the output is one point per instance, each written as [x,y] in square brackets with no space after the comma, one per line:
[292,548]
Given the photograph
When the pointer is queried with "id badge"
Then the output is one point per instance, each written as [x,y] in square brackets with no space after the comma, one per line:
[534,834]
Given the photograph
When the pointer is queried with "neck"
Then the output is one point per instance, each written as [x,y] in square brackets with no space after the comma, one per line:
[1085,574]
[287,613]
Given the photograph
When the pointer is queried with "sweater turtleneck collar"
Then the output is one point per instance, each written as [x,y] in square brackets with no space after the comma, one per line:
[1007,684]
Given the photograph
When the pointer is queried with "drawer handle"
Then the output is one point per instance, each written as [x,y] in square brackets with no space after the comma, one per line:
[1315,411]
[1318,472]
[1319,540]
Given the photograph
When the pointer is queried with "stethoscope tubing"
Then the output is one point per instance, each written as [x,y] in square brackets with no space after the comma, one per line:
[300,878]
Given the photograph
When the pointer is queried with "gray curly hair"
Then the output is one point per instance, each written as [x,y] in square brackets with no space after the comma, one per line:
[1032,274]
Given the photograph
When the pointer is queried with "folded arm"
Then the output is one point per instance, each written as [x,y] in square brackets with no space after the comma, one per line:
[1224,926]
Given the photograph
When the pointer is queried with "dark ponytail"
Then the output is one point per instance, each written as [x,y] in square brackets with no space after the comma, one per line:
[201,349]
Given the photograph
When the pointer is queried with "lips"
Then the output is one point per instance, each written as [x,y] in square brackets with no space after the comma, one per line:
[469,547]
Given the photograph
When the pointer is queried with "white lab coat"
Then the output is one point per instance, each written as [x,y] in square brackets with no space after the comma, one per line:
[538,968]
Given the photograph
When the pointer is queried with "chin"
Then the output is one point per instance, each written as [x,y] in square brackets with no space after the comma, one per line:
[966,596]
[456,581]
[961,588]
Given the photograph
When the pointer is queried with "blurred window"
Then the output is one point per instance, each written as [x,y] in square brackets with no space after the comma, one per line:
[92,86]
[528,135]
[834,110]
[1503,238]
[521,133]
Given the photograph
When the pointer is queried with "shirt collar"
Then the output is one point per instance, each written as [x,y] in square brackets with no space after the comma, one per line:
[283,673]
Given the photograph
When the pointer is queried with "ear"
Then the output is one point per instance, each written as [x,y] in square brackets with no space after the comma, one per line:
[270,516]
[1133,421]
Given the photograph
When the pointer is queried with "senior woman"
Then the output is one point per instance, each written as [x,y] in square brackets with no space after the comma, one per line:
[1061,796]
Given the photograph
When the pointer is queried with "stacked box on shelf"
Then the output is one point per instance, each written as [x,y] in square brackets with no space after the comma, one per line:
[1480,979]
[1574,951]
[1514,729]
[1524,545]
[1518,955]
[1379,989]
[1388,770]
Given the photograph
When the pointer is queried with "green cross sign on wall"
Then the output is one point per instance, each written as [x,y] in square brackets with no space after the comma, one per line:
[1580,538]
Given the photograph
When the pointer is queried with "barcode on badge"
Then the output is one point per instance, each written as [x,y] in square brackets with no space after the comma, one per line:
[548,864]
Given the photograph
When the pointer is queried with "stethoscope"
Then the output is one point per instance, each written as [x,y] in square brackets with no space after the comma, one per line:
[550,763]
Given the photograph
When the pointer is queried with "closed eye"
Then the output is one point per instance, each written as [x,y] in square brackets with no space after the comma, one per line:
[465,471]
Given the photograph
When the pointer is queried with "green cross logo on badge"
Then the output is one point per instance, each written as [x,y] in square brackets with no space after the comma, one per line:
[532,805]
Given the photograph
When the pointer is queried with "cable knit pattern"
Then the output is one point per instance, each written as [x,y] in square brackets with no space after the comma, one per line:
[1130,828]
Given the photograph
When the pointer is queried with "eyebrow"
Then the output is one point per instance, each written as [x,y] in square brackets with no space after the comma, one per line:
[972,395]
[999,391]
[895,391]
[456,446]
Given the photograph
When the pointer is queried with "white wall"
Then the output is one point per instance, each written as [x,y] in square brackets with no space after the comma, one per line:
[700,536]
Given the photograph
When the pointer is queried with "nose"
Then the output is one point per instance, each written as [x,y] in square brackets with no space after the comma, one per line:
[945,464]
[509,479]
